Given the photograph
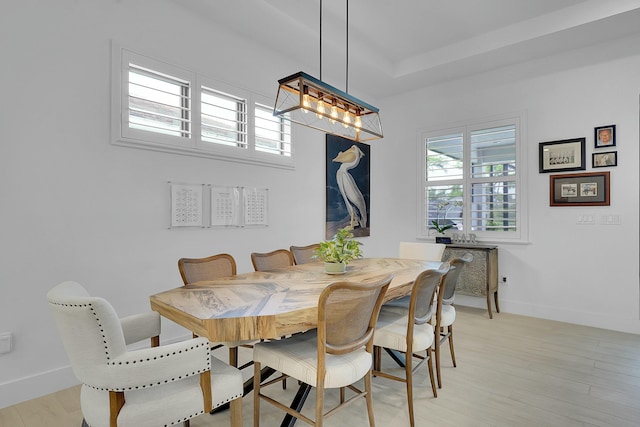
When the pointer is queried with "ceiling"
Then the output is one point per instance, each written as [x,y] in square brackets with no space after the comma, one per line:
[396,45]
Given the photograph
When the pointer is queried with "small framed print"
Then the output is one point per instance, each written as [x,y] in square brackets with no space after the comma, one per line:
[604,160]
[604,136]
[565,155]
[579,189]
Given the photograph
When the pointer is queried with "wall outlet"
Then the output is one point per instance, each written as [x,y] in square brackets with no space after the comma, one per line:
[504,280]
[5,343]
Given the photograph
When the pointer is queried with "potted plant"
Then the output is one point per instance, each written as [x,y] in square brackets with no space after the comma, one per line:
[439,226]
[339,251]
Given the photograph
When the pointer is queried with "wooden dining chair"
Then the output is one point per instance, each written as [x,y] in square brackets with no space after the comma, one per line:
[410,333]
[194,270]
[265,261]
[446,312]
[303,254]
[210,268]
[335,355]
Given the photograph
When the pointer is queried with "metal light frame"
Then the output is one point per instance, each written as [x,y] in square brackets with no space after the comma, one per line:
[308,101]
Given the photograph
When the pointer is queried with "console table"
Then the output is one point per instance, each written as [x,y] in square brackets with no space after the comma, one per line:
[480,278]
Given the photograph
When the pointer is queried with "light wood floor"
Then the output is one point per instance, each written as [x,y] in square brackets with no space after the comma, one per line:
[512,371]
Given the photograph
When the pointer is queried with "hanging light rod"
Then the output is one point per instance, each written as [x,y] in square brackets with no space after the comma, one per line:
[308,101]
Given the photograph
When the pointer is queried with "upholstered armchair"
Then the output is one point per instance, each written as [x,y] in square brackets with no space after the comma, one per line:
[158,386]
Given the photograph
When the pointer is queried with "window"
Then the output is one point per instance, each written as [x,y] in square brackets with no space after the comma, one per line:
[273,134]
[471,180]
[224,118]
[160,106]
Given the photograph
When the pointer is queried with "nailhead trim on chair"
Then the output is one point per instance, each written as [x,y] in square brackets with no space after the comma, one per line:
[104,339]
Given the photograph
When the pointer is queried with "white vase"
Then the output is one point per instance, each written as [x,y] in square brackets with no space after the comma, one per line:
[335,267]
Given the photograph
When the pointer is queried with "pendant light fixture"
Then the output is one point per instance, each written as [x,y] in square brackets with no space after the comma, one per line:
[308,101]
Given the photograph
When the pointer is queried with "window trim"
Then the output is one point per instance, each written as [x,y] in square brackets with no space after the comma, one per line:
[519,120]
[122,135]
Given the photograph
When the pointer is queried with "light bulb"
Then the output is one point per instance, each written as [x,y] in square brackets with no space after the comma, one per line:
[347,119]
[334,113]
[358,122]
[321,111]
[306,104]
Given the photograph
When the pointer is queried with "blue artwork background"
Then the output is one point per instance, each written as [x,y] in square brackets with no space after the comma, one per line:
[337,215]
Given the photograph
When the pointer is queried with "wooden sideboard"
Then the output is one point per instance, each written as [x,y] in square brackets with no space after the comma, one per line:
[480,278]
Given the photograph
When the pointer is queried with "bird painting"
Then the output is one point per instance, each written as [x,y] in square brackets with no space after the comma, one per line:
[351,194]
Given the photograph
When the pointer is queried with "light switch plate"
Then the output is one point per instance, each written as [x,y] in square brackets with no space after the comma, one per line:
[5,343]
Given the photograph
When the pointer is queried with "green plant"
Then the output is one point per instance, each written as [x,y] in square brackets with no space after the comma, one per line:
[342,248]
[436,222]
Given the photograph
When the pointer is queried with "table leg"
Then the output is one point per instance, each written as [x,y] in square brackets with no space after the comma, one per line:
[495,297]
[396,356]
[489,304]
[297,404]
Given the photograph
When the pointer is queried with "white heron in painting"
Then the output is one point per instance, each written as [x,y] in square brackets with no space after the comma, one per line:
[353,198]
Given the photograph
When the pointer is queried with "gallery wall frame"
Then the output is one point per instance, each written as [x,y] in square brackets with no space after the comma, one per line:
[604,136]
[579,189]
[605,159]
[561,156]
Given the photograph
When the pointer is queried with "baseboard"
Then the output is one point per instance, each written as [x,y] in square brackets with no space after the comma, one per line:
[34,386]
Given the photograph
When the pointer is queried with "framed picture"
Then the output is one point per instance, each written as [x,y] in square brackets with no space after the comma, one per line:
[348,186]
[603,160]
[604,136]
[579,189]
[565,155]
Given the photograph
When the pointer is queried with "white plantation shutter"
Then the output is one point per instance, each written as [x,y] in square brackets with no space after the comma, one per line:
[159,102]
[471,180]
[160,106]
[272,134]
[492,163]
[223,118]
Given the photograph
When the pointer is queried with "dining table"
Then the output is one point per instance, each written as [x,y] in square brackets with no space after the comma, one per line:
[273,304]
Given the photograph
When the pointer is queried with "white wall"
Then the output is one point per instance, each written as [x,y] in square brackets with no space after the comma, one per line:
[586,274]
[75,207]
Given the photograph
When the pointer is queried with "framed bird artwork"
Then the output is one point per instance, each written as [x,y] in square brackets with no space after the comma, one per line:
[348,183]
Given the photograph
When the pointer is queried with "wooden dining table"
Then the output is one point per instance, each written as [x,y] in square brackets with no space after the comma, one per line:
[276,303]
[273,304]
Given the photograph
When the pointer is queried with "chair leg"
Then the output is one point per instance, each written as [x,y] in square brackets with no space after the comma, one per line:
[431,376]
[409,382]
[453,355]
[256,394]
[368,388]
[437,352]
[319,404]
[233,356]
[236,412]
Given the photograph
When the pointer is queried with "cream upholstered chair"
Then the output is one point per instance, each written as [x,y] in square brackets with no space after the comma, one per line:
[421,250]
[265,261]
[303,254]
[410,333]
[335,355]
[163,385]
[210,268]
[446,312]
[414,250]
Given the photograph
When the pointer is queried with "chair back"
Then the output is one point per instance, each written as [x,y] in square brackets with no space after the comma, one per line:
[347,315]
[422,304]
[280,258]
[90,330]
[303,254]
[210,268]
[420,250]
[450,282]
